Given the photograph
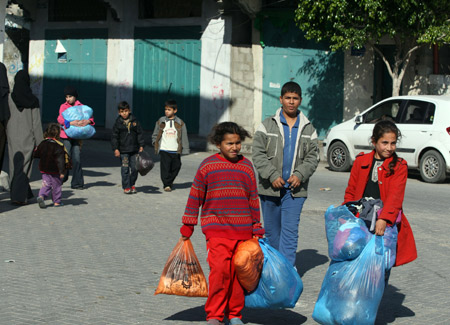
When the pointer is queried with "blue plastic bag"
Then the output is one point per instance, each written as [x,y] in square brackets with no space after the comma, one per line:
[280,285]
[347,235]
[352,290]
[79,112]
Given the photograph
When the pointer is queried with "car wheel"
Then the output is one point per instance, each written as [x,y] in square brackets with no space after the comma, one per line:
[432,167]
[338,157]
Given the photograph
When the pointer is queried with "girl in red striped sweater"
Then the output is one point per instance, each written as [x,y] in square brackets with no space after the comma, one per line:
[225,188]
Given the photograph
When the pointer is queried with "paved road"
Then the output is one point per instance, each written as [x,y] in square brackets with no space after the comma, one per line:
[98,259]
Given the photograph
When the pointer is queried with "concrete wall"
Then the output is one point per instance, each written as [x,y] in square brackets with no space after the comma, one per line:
[215,62]
[215,74]
[242,89]
[358,83]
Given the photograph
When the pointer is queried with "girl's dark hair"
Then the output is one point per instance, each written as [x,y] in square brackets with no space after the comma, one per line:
[381,128]
[219,131]
[52,131]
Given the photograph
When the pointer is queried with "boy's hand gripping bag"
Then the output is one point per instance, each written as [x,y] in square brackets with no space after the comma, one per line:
[352,290]
[280,285]
[182,274]
[79,112]
[248,262]
[144,163]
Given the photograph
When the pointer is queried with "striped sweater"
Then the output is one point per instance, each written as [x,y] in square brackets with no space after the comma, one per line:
[227,193]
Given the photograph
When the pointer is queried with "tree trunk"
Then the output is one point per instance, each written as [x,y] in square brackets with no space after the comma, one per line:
[396,84]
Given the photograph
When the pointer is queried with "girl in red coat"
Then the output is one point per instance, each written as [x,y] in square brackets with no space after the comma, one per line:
[381,174]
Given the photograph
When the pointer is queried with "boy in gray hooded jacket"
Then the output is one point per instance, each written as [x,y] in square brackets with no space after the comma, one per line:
[285,155]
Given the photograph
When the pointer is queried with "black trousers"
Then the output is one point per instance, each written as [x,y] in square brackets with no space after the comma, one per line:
[170,165]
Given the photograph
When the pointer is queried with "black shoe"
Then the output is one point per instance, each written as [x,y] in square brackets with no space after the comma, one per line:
[77,187]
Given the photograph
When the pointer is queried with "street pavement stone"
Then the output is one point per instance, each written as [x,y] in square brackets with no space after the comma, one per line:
[98,259]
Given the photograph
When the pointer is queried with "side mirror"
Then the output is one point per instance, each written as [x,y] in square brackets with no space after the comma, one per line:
[358,119]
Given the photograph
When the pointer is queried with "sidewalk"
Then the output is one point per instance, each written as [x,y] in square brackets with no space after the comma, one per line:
[98,259]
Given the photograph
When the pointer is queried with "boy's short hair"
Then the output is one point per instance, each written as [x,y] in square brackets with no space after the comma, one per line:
[52,131]
[123,105]
[291,87]
[172,103]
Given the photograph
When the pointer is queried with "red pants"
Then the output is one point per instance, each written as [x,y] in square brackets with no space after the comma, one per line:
[226,295]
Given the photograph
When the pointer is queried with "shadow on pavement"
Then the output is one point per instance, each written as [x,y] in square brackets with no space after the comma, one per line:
[182,185]
[308,259]
[95,174]
[272,317]
[391,307]
[149,189]
[196,314]
[254,316]
[100,183]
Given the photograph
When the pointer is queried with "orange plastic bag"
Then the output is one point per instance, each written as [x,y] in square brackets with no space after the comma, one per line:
[248,262]
[182,274]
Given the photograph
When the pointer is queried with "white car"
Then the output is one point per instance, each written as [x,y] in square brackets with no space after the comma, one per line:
[424,122]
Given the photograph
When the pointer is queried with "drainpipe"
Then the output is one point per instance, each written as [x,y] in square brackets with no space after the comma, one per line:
[435,59]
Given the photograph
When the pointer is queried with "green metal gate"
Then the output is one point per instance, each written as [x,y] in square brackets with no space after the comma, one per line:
[82,66]
[288,56]
[167,65]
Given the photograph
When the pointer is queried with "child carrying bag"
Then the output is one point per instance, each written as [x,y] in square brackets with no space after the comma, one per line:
[79,112]
[182,274]
[280,285]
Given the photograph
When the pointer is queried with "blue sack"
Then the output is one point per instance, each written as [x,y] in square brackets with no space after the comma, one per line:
[352,290]
[347,235]
[79,112]
[280,285]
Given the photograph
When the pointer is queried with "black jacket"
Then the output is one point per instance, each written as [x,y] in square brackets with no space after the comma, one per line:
[127,138]
[52,157]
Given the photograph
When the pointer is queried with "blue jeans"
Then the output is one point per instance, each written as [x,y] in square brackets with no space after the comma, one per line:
[281,220]
[128,170]
[74,149]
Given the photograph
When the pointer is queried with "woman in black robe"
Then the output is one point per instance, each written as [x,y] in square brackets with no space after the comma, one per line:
[24,131]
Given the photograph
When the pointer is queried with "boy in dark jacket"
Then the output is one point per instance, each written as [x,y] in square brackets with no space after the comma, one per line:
[127,141]
[52,164]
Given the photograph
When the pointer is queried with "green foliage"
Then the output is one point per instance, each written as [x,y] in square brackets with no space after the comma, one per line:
[346,23]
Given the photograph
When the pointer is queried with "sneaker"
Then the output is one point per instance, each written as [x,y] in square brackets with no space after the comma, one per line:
[40,201]
[236,321]
[167,189]
[214,321]
[133,190]
[127,191]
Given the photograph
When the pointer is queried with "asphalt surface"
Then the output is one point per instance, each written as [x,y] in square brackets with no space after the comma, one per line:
[98,259]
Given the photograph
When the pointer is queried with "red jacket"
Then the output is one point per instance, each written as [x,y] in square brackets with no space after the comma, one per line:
[392,192]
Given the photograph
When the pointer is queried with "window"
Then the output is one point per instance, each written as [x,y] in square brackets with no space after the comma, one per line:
[169,9]
[386,110]
[418,112]
[80,10]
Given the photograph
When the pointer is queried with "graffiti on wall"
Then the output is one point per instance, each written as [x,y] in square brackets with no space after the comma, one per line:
[218,96]
[35,69]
